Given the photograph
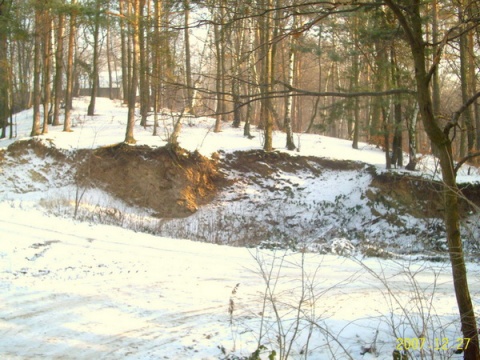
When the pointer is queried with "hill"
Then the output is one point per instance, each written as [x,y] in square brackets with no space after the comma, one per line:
[76,285]
[222,188]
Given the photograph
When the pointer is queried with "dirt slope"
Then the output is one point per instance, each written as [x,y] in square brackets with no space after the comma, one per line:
[170,181]
[173,184]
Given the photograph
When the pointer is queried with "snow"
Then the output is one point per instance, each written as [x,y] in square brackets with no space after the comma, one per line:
[84,290]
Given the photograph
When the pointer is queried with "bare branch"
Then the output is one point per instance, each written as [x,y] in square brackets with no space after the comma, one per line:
[464,160]
[345,94]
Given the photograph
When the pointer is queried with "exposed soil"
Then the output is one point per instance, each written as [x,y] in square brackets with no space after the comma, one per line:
[169,180]
[421,197]
[175,183]
[265,163]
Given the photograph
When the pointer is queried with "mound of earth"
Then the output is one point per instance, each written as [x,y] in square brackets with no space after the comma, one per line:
[168,180]
[174,183]
[409,193]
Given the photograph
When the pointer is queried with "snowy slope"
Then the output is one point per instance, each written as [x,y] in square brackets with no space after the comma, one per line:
[78,290]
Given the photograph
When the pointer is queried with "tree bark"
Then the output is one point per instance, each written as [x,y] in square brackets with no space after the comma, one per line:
[69,86]
[412,25]
[37,68]
[465,83]
[96,51]
[188,65]
[266,74]
[4,72]
[143,71]
[132,92]
[58,69]
[219,34]
[290,144]
[124,49]
[47,67]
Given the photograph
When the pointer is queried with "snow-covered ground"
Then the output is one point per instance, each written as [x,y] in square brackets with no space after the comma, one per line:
[78,290]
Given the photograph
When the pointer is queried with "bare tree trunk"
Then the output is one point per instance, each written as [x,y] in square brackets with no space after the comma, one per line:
[143,70]
[4,72]
[71,51]
[96,51]
[124,50]
[156,67]
[109,61]
[58,69]
[266,76]
[132,93]
[288,101]
[37,68]
[250,77]
[465,89]
[411,22]
[219,35]
[412,139]
[47,68]
[355,76]
[188,65]
[397,151]
[435,78]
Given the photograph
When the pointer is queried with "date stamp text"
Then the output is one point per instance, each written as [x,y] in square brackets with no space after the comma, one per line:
[439,344]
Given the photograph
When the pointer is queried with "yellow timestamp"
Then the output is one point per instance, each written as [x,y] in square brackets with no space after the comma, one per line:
[439,344]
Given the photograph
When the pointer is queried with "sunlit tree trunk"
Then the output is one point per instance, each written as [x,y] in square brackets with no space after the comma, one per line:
[219,35]
[156,63]
[109,60]
[412,23]
[4,70]
[250,76]
[289,99]
[132,92]
[465,84]
[188,65]
[266,75]
[124,49]
[37,68]
[70,56]
[47,68]
[144,67]
[354,86]
[435,77]
[58,69]
[96,54]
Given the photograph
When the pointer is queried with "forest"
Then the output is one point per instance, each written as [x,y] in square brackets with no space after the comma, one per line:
[342,69]
[402,75]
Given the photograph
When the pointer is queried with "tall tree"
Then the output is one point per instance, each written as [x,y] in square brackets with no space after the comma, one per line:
[144,78]
[132,91]
[188,65]
[220,46]
[69,70]
[266,72]
[290,79]
[156,61]
[47,64]
[465,85]
[409,15]
[4,67]
[96,55]
[37,68]
[58,78]
[124,43]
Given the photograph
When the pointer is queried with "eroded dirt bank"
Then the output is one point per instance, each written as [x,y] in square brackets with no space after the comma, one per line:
[170,181]
[174,184]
